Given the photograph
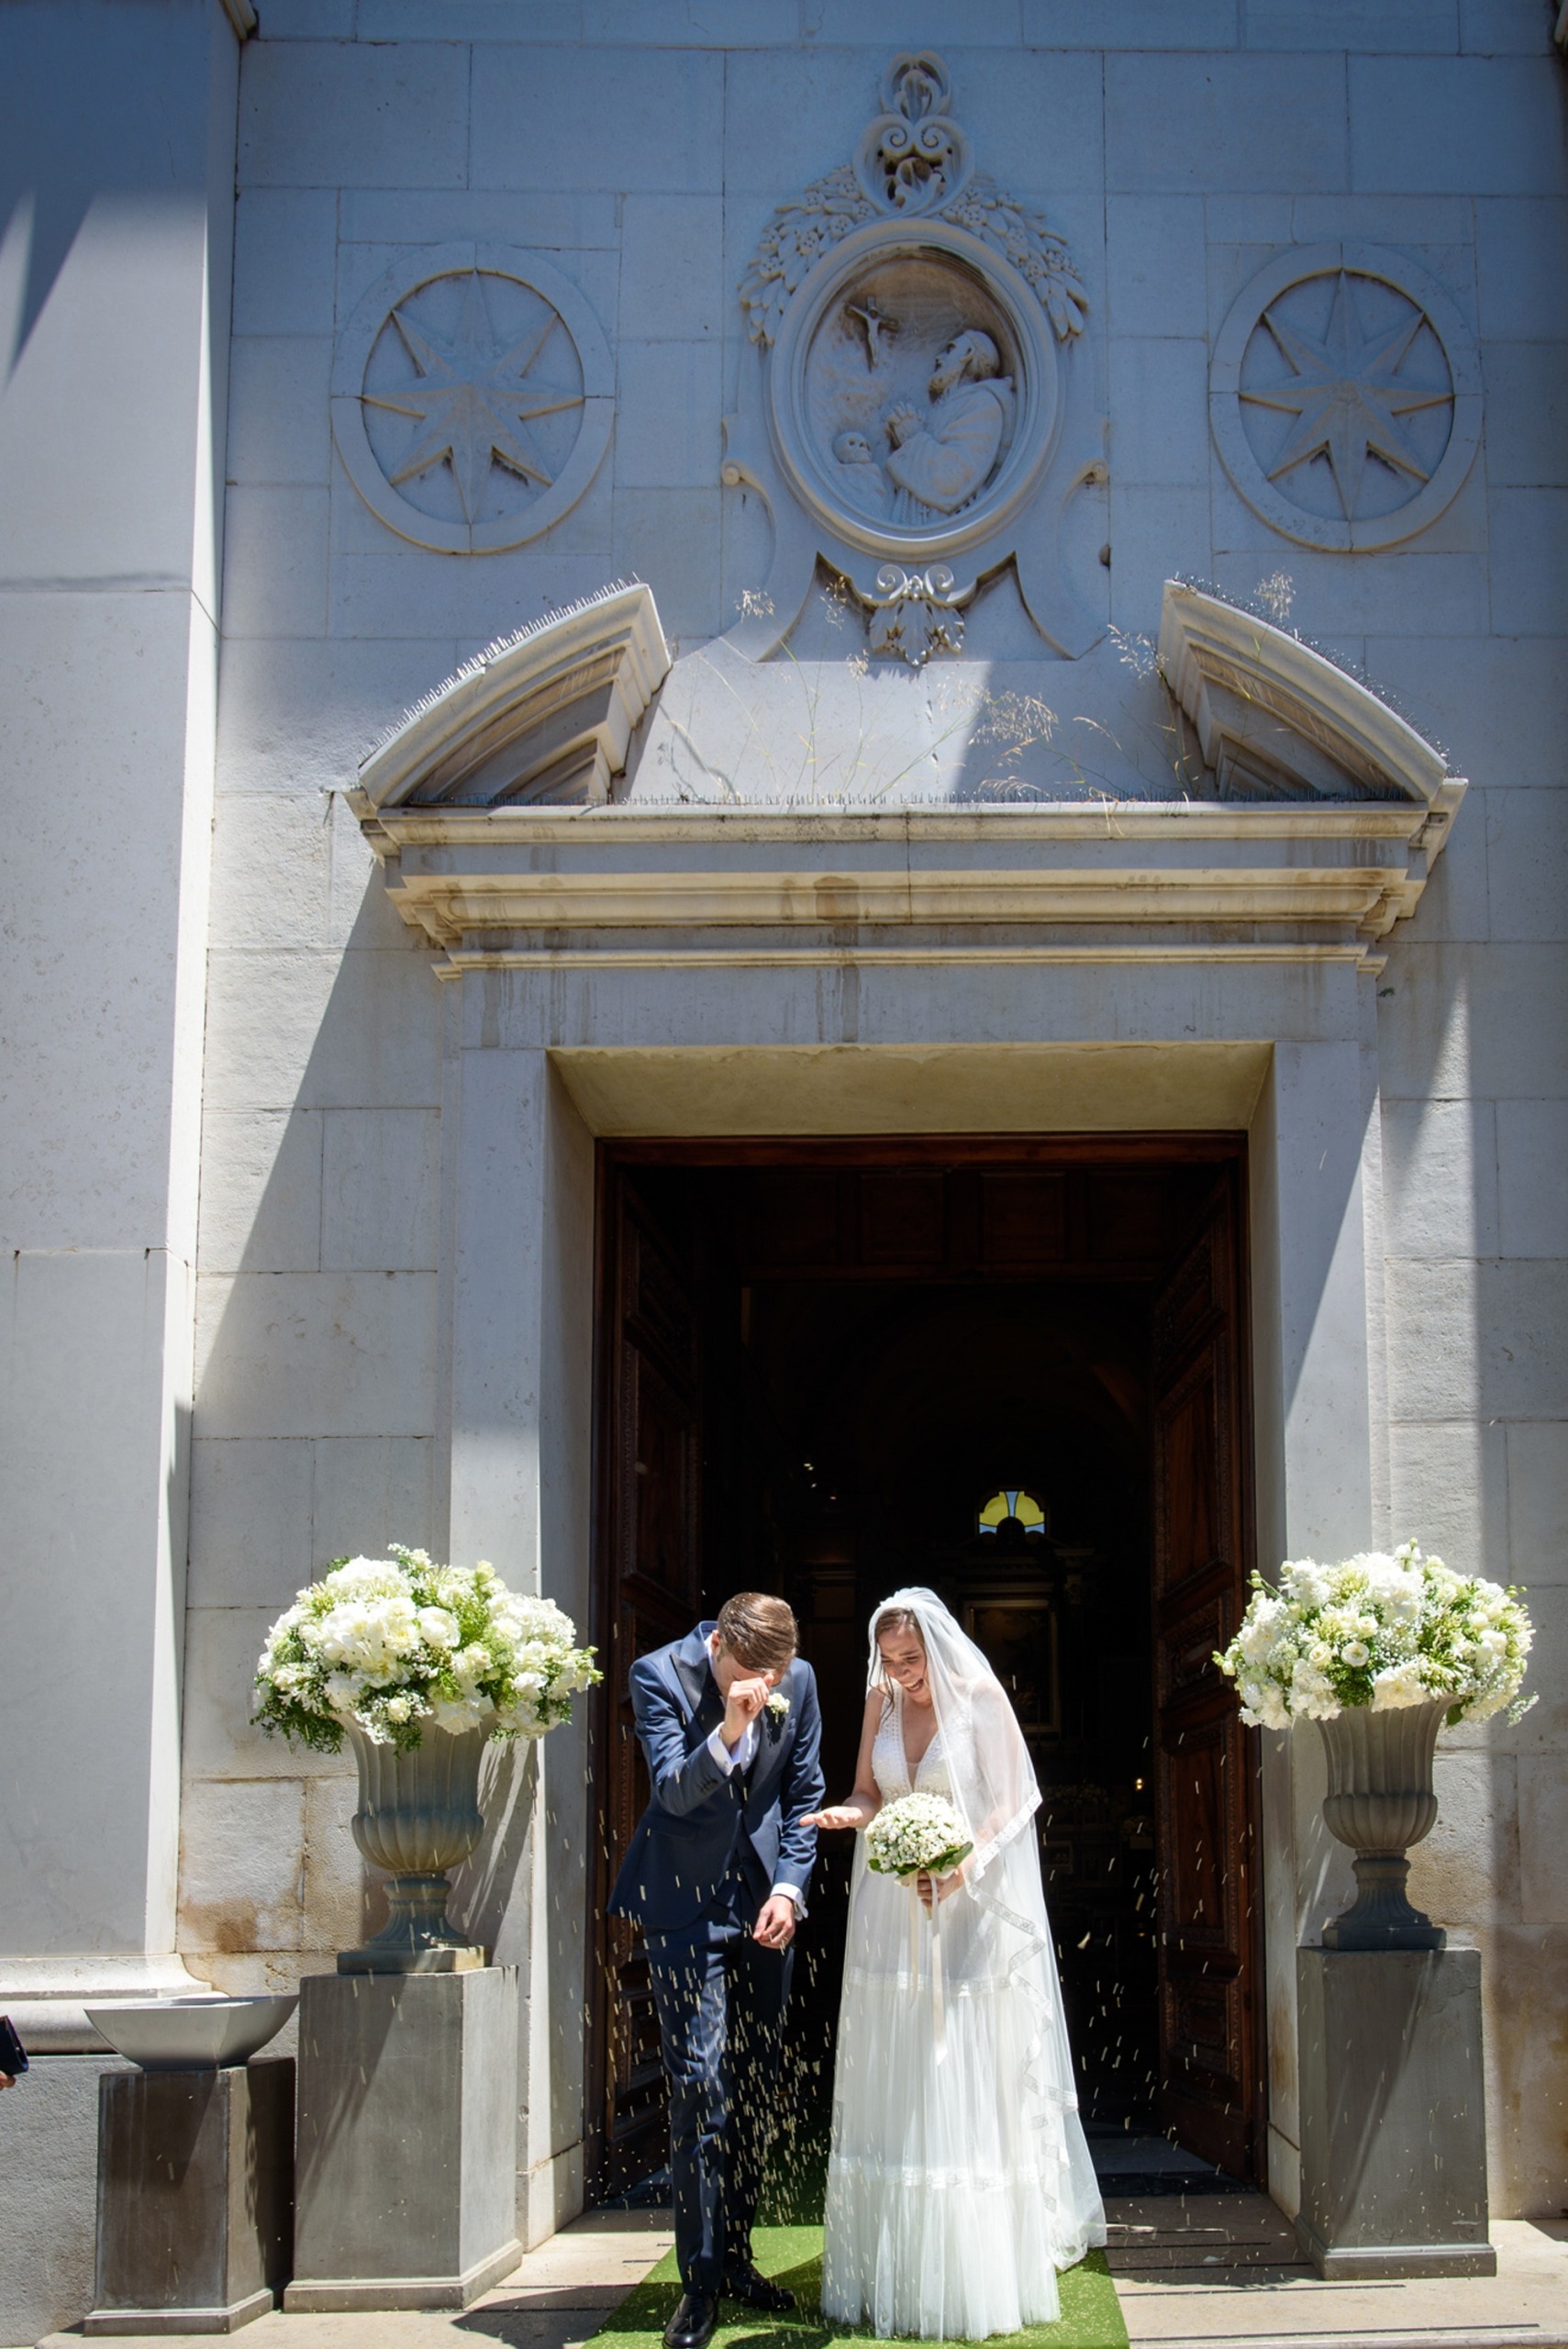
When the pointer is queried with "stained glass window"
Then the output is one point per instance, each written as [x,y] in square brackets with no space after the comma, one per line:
[1004,1505]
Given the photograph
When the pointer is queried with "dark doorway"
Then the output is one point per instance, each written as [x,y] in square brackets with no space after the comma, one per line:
[1014,1373]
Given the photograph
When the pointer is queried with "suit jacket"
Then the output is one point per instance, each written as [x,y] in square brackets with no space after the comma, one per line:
[692,1831]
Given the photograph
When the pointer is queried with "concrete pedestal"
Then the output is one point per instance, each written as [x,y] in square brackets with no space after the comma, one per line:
[1393,2118]
[195,2193]
[408,2144]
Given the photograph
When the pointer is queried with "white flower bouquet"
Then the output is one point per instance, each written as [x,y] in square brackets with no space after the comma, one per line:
[1380,1631]
[916,1832]
[391,1644]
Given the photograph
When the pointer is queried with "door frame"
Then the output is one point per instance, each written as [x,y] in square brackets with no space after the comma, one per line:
[1217,1148]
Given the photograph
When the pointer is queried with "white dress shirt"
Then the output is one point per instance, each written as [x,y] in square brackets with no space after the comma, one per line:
[741,1759]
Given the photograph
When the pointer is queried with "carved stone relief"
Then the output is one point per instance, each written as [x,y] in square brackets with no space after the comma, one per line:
[913,403]
[1345,397]
[471,398]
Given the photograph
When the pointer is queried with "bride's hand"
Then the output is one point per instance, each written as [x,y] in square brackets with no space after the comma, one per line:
[945,1885]
[842,1814]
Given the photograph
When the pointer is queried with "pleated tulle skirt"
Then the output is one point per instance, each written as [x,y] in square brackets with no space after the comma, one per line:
[956,2190]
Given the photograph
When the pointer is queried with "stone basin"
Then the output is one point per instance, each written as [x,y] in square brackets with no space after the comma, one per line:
[200,2033]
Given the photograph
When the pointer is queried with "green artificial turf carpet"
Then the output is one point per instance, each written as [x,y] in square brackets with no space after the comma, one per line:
[1091,2315]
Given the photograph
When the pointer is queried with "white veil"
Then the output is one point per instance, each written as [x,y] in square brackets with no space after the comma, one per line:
[996,1793]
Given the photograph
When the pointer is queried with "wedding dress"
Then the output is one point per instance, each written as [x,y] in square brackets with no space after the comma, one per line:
[959,2181]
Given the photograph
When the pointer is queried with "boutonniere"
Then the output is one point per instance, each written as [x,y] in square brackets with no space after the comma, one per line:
[778,1710]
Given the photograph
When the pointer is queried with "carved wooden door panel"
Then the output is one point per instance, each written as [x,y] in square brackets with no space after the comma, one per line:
[1204,1765]
[649,1580]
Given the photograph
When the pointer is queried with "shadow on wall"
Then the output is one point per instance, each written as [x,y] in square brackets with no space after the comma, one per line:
[147,155]
[317,1378]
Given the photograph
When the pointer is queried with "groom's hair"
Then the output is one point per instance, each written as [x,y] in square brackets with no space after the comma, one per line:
[759,1630]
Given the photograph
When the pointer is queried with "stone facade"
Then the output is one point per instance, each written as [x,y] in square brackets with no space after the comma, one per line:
[374,1322]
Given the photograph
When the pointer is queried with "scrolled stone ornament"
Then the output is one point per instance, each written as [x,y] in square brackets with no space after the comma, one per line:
[913,614]
[912,159]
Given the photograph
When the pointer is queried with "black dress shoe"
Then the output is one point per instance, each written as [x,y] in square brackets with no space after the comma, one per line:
[692,2325]
[755,2290]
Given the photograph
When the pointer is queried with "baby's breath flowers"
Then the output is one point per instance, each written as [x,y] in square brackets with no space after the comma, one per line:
[390,1643]
[1380,1631]
[916,1832]
[778,1705]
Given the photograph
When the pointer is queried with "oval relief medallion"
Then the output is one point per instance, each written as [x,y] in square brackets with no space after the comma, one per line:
[472,400]
[914,394]
[1345,397]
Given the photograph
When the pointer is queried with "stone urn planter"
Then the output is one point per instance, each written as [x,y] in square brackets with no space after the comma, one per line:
[419,1815]
[1380,1801]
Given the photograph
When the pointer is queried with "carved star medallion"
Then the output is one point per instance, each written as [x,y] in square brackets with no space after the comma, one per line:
[1347,393]
[475,396]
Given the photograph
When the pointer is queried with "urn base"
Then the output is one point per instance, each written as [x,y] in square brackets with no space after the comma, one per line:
[1382,1916]
[374,1959]
[417,1938]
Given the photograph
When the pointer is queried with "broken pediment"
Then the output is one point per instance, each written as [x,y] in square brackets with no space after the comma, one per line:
[487,807]
[1276,721]
[542,719]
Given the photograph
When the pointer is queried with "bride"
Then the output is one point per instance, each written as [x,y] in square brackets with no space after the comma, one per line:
[960,2181]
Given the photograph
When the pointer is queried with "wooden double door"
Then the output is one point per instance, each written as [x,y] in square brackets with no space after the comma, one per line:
[686,1234]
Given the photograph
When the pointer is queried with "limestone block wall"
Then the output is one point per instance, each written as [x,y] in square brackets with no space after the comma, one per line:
[1474,1123]
[641,159]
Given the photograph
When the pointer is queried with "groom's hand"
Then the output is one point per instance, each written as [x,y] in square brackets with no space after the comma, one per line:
[776,1927]
[742,1706]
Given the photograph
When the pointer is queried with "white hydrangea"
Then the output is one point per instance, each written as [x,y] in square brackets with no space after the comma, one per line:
[389,1643]
[1378,1630]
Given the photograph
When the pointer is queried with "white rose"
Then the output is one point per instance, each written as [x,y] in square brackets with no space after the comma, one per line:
[1263,1705]
[1356,1652]
[1398,1684]
[438,1629]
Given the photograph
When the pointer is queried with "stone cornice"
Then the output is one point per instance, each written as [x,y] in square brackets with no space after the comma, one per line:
[1303,877]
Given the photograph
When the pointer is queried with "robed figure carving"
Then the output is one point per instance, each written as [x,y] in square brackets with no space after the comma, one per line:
[716,1878]
[940,460]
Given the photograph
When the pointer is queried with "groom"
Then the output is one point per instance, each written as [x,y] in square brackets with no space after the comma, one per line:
[716,1878]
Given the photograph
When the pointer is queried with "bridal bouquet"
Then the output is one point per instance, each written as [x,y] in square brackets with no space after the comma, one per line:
[391,1644]
[916,1832]
[1380,1631]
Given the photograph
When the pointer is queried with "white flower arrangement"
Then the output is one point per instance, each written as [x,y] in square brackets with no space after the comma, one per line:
[778,1705]
[391,1644]
[916,1832]
[1380,1631]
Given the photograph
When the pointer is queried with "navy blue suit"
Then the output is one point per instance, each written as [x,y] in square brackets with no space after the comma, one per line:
[707,1852]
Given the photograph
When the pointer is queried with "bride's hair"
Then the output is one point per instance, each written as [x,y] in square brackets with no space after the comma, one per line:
[899,1619]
